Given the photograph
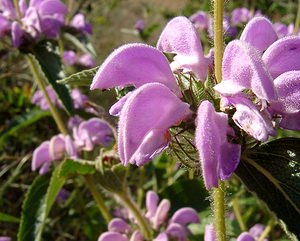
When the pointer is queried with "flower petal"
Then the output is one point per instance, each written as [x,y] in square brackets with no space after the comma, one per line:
[144,122]
[211,142]
[135,64]
[177,232]
[287,86]
[245,236]
[283,55]
[161,213]
[151,203]
[112,236]
[118,225]
[243,68]
[181,38]
[57,147]
[210,234]
[40,155]
[259,32]
[184,216]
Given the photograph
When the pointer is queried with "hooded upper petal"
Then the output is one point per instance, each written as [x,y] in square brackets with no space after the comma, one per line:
[118,225]
[259,32]
[144,122]
[181,38]
[151,203]
[245,236]
[135,64]
[243,68]
[287,86]
[218,157]
[184,216]
[283,56]
[41,158]
[112,236]
[57,147]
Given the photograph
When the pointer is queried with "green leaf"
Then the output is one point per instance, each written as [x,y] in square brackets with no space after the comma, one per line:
[22,121]
[8,218]
[272,171]
[48,58]
[70,167]
[37,205]
[83,78]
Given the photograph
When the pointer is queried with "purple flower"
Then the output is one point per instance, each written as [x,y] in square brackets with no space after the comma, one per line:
[200,20]
[5,238]
[181,38]
[79,22]
[157,213]
[49,151]
[257,123]
[259,32]
[240,15]
[243,68]
[69,57]
[39,99]
[283,30]
[144,122]
[92,132]
[135,64]
[210,234]
[87,60]
[139,25]
[283,55]
[79,99]
[218,157]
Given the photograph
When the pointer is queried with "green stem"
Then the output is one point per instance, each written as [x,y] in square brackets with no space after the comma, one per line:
[18,11]
[237,213]
[36,74]
[129,204]
[297,22]
[98,198]
[218,38]
[219,211]
[266,231]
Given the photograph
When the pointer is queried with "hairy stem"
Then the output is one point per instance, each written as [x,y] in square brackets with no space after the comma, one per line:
[218,38]
[35,71]
[97,197]
[219,211]
[143,224]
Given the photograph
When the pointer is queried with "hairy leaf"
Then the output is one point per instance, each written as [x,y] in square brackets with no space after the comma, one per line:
[272,171]
[22,121]
[48,58]
[70,167]
[83,78]
[37,205]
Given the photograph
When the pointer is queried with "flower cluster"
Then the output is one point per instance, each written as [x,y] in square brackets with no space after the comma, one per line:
[253,234]
[71,58]
[27,23]
[86,135]
[259,88]
[157,214]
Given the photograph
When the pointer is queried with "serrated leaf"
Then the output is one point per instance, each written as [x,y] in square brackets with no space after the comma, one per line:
[46,55]
[8,218]
[70,167]
[37,205]
[83,78]
[22,121]
[272,171]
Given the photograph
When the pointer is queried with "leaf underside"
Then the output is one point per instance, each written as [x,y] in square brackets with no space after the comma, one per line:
[272,171]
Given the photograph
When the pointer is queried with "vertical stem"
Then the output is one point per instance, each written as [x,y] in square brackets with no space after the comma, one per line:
[218,38]
[129,204]
[219,211]
[237,213]
[98,198]
[35,71]
[266,231]
[18,11]
[297,21]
